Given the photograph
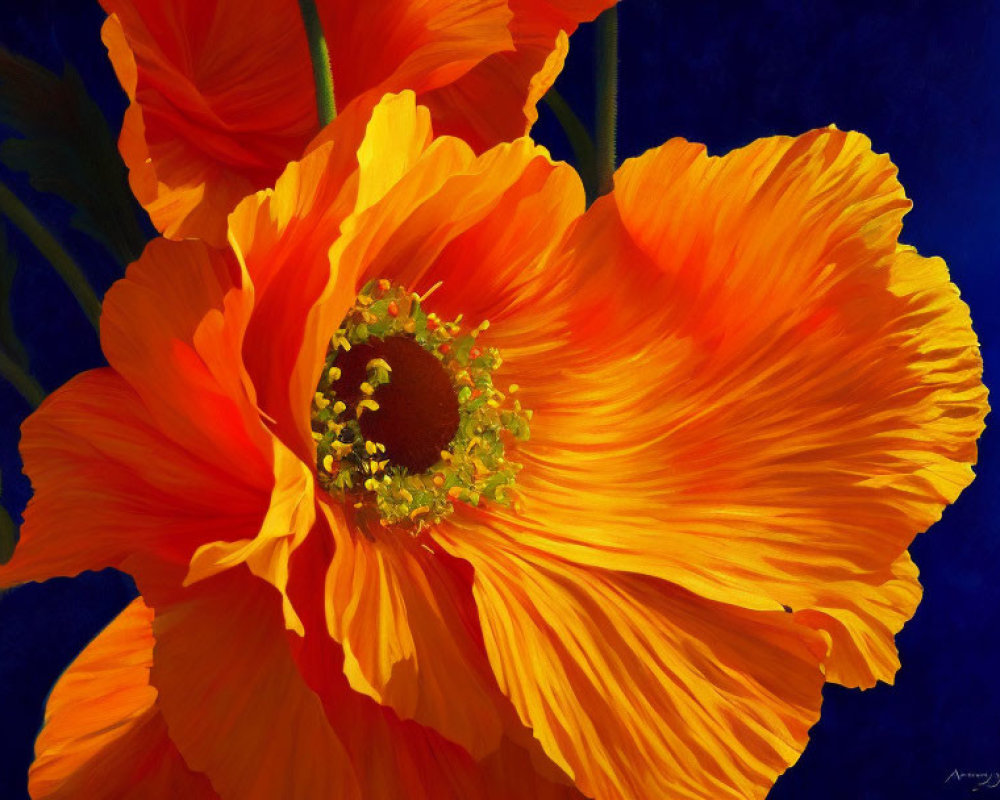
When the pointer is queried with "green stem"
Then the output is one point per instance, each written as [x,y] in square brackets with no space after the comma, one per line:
[19,214]
[579,139]
[607,99]
[320,55]
[29,388]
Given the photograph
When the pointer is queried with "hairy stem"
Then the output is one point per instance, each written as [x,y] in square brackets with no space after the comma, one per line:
[320,55]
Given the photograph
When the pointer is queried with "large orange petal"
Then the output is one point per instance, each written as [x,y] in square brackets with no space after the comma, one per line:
[396,757]
[495,102]
[107,483]
[405,618]
[233,699]
[752,392]
[219,106]
[637,688]
[103,736]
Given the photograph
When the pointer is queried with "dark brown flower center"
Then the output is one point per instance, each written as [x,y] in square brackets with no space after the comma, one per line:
[417,412]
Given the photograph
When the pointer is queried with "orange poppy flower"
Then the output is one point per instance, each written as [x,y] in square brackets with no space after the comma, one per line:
[223,95]
[368,570]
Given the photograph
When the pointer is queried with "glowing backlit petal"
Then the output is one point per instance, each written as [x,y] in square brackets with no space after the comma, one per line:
[639,689]
[769,398]
[406,620]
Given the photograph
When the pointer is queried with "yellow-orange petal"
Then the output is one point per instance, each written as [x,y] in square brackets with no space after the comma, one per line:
[406,621]
[484,235]
[637,688]
[288,521]
[396,757]
[232,697]
[283,237]
[219,107]
[107,482]
[495,102]
[103,736]
[758,395]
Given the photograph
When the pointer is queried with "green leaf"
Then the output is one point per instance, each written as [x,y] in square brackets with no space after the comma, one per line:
[9,342]
[67,150]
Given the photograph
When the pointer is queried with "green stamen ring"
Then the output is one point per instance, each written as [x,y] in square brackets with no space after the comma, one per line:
[404,451]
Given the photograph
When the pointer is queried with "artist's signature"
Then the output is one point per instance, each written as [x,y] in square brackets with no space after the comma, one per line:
[975,780]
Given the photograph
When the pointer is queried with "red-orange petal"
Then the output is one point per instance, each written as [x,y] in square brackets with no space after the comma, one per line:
[757,394]
[637,688]
[107,482]
[219,106]
[173,328]
[104,738]
[495,102]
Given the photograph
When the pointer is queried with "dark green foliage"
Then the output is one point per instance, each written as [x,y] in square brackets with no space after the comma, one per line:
[64,145]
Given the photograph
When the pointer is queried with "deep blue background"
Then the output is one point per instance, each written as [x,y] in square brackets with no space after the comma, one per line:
[920,78]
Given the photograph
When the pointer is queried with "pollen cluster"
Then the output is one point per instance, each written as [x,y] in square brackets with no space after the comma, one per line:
[402,454]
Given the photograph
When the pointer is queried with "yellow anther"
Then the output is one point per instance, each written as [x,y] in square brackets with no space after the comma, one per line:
[375,466]
[378,363]
[370,447]
[383,464]
[365,403]
[367,388]
[328,463]
[364,300]
[317,436]
[333,374]
[369,317]
[475,440]
[455,492]
[371,484]
[321,401]
[335,427]
[341,342]
[380,446]
[406,495]
[513,388]
[445,455]
[418,511]
[339,407]
[493,403]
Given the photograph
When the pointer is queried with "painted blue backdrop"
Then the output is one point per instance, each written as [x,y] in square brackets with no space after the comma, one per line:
[920,78]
